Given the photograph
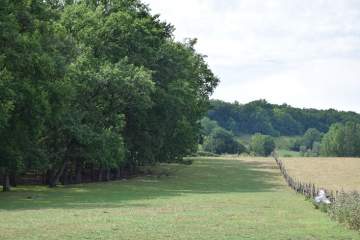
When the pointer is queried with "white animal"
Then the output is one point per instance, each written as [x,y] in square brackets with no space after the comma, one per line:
[321,198]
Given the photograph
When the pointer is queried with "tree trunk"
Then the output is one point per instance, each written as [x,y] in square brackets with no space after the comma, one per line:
[55,178]
[125,172]
[93,173]
[13,179]
[118,173]
[6,182]
[44,178]
[107,176]
[78,172]
[48,176]
[130,169]
[100,176]
[65,177]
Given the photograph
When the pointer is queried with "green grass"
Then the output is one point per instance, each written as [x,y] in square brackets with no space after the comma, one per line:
[211,199]
[287,153]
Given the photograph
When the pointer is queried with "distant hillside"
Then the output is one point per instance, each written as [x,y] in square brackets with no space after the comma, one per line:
[263,117]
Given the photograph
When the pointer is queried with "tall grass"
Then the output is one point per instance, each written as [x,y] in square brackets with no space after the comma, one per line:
[346,209]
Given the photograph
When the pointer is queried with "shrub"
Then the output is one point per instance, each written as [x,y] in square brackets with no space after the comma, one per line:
[346,209]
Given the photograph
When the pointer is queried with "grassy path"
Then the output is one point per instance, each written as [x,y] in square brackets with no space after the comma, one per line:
[211,199]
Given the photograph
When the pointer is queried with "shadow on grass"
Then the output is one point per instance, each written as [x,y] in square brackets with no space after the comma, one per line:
[205,176]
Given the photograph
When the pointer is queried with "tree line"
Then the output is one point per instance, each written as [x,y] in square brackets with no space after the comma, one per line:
[95,87]
[275,120]
[341,140]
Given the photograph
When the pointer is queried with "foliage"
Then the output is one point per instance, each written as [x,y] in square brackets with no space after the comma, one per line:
[95,86]
[342,140]
[346,209]
[262,145]
[34,56]
[208,126]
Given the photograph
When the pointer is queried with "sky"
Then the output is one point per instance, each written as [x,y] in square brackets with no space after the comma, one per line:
[305,53]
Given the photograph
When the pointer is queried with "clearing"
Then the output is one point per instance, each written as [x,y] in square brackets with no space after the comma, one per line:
[215,198]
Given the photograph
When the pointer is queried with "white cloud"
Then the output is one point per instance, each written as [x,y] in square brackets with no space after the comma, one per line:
[302,52]
[316,84]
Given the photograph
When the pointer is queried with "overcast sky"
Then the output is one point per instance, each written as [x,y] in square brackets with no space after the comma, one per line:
[302,52]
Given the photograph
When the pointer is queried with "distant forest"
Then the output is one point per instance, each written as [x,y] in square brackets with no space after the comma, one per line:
[275,120]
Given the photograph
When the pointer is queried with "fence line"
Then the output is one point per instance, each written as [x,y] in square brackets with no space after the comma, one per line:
[309,190]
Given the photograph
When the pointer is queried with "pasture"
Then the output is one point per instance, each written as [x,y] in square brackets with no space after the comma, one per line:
[330,173]
[214,198]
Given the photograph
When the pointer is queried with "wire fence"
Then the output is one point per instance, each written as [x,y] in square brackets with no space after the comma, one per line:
[309,190]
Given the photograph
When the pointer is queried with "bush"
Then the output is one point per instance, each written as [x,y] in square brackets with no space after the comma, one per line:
[262,145]
[346,209]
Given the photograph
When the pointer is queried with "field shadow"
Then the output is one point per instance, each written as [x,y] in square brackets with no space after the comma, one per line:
[205,176]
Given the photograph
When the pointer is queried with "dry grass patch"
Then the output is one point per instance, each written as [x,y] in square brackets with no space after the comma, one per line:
[330,173]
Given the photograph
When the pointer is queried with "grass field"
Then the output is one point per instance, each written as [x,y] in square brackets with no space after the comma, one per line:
[330,173]
[223,198]
[287,153]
